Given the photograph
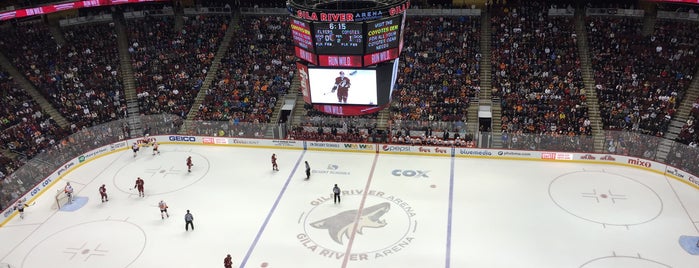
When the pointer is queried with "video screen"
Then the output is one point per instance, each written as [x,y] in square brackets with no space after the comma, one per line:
[343,86]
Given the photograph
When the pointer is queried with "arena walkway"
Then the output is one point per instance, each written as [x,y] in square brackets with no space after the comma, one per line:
[396,211]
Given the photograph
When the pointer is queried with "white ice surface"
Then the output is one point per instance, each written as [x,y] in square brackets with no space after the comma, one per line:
[503,213]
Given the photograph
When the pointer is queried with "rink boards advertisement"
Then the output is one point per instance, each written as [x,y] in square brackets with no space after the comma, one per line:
[230,141]
[377,148]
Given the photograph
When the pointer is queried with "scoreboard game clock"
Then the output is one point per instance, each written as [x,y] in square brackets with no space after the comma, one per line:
[347,33]
[338,37]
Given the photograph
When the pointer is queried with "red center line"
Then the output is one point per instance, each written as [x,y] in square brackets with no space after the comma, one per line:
[359,213]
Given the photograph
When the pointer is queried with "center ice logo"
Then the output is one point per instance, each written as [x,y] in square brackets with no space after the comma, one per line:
[341,225]
[384,227]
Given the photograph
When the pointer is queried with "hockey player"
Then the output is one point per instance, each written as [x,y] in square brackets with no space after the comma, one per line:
[103,193]
[228,262]
[274,162]
[135,148]
[342,85]
[155,148]
[189,164]
[308,170]
[139,186]
[68,190]
[163,209]
[20,207]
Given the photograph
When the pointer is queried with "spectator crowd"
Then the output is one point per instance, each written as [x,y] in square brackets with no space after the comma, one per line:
[640,80]
[255,72]
[80,78]
[537,77]
[170,64]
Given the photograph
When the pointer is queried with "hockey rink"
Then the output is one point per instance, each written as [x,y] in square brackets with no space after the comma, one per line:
[396,211]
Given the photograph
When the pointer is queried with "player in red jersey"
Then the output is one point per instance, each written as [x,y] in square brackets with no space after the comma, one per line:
[228,262]
[274,162]
[139,186]
[189,164]
[103,193]
[341,85]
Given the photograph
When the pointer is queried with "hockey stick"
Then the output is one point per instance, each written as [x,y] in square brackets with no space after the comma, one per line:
[331,92]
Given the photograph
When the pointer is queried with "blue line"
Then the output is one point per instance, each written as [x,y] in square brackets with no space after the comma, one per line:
[451,202]
[271,211]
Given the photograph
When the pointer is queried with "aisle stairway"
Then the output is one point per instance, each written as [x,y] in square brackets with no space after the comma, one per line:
[299,112]
[127,75]
[179,19]
[57,33]
[212,72]
[485,96]
[589,80]
[649,17]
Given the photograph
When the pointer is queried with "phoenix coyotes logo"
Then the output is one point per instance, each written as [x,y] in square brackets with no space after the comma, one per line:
[327,227]
[341,225]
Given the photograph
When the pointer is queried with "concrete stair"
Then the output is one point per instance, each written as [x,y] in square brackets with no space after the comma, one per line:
[133,118]
[211,74]
[485,96]
[272,128]
[486,76]
[299,113]
[179,19]
[589,80]
[649,18]
[472,119]
[382,119]
[57,33]
[33,92]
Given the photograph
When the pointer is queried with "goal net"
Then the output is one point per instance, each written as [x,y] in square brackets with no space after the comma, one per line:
[61,200]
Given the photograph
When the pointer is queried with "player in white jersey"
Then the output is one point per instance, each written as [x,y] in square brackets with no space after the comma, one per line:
[20,207]
[155,148]
[135,148]
[163,209]
[69,192]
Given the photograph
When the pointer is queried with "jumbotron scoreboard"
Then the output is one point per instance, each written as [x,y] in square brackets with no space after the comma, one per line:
[362,39]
